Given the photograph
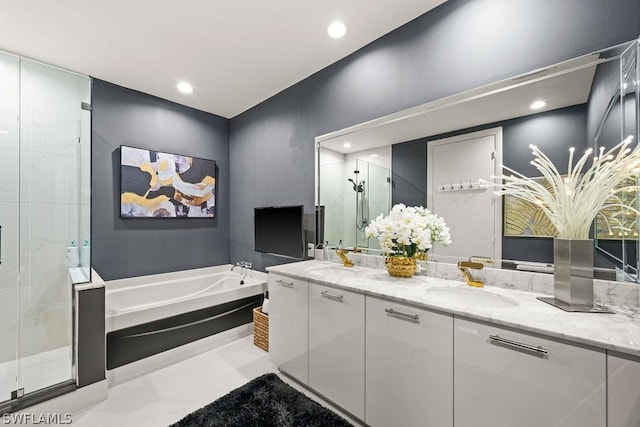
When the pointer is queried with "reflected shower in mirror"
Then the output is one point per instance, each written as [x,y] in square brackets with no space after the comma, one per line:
[355,188]
[583,103]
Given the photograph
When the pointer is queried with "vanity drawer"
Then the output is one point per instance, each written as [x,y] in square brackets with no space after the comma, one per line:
[501,376]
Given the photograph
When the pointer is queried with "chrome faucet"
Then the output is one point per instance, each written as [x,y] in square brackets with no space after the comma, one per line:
[244,266]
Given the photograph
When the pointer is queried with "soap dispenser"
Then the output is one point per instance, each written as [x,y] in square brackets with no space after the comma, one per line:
[71,256]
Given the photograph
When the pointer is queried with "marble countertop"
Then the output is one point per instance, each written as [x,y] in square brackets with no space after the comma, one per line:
[518,309]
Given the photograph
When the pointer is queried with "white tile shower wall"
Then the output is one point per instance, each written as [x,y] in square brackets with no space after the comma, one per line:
[9,101]
[9,162]
[8,330]
[45,327]
[331,193]
[621,294]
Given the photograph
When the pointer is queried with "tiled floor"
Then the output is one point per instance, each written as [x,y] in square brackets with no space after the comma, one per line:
[166,395]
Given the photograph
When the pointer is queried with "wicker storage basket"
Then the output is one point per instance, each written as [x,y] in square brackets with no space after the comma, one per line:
[260,329]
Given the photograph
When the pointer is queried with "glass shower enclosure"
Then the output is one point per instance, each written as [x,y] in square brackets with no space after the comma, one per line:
[352,193]
[44,222]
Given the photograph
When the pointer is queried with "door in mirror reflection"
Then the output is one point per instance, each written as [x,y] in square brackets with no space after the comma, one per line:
[457,165]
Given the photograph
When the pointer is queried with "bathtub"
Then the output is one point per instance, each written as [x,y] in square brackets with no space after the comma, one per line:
[150,314]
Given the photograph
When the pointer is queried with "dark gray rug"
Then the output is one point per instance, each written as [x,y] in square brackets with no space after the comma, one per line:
[263,402]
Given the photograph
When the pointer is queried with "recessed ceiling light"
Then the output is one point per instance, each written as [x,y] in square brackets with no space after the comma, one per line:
[347,145]
[185,87]
[536,105]
[374,155]
[336,29]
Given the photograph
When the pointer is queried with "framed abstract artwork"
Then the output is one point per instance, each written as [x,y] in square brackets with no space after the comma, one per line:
[525,219]
[615,222]
[155,184]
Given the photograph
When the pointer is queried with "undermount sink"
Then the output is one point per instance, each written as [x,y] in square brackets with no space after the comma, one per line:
[331,269]
[473,297]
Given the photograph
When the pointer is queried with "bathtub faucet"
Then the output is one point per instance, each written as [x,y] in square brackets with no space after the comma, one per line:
[244,266]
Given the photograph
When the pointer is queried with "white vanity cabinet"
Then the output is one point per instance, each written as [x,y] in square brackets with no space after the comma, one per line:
[336,346]
[289,325]
[505,378]
[409,374]
[623,376]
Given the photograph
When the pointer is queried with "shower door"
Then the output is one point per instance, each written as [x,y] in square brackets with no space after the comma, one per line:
[44,210]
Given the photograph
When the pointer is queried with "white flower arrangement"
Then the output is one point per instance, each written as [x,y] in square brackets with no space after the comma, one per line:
[573,201]
[407,231]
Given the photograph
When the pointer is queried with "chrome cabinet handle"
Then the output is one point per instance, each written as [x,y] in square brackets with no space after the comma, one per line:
[402,315]
[516,344]
[326,294]
[286,284]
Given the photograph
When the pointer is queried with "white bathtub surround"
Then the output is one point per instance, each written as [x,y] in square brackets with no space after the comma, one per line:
[619,331]
[144,299]
[176,355]
[624,295]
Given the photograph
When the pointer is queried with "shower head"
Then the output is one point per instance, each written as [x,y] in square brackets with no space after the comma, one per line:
[359,187]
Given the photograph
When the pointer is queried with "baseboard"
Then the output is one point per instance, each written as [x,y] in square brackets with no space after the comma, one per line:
[158,361]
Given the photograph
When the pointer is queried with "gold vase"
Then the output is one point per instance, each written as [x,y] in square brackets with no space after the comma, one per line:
[400,266]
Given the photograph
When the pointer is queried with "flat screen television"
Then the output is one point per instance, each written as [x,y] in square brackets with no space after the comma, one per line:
[279,230]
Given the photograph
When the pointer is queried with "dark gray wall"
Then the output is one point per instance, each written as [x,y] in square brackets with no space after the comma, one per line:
[460,45]
[409,173]
[554,133]
[135,247]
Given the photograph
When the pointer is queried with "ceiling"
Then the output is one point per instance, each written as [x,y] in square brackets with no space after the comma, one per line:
[235,53]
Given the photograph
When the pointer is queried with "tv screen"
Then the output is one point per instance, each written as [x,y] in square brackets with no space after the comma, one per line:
[154,184]
[279,230]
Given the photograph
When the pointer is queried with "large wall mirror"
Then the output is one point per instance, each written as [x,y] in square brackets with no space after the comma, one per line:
[437,155]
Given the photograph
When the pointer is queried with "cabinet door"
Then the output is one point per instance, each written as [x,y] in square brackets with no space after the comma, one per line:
[409,366]
[336,346]
[623,373]
[502,384]
[289,326]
